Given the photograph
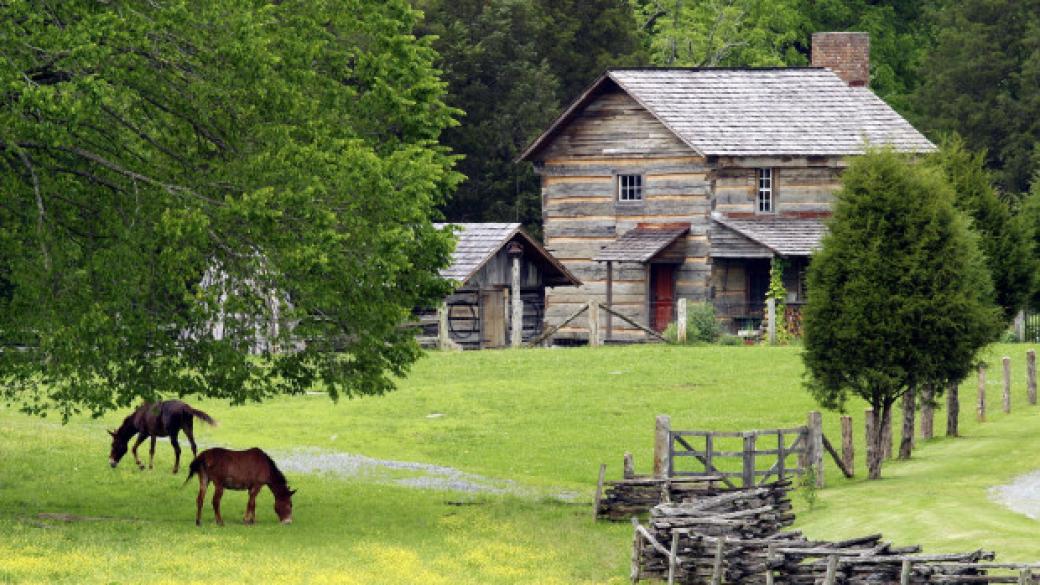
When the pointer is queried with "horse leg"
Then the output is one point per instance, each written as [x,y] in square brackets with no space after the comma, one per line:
[176,452]
[137,443]
[151,453]
[218,492]
[190,433]
[251,507]
[203,485]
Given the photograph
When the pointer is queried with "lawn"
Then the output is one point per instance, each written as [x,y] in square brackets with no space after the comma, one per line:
[543,420]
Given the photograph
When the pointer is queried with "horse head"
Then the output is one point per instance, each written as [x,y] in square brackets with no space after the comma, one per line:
[283,506]
[118,449]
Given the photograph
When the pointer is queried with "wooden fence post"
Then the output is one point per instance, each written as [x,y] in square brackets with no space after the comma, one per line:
[904,573]
[980,407]
[953,409]
[680,321]
[673,557]
[771,312]
[1007,384]
[716,569]
[637,553]
[443,335]
[848,456]
[629,467]
[814,422]
[662,446]
[749,460]
[599,490]
[594,338]
[1031,376]
[927,411]
[832,570]
[906,439]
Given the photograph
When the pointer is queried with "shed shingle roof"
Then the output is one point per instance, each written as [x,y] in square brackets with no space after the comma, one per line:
[786,236]
[748,112]
[641,243]
[476,243]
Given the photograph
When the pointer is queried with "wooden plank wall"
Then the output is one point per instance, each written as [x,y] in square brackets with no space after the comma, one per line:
[464,317]
[797,187]
[581,214]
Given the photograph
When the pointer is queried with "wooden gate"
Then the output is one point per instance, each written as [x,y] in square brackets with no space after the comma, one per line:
[739,459]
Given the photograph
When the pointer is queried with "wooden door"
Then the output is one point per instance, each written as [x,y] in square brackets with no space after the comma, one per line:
[662,295]
[493,318]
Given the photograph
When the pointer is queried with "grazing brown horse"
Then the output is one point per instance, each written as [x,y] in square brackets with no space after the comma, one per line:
[251,470]
[167,418]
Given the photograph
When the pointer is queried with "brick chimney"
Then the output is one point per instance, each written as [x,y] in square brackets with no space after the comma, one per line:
[845,53]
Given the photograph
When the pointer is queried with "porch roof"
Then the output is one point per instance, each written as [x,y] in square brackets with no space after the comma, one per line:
[642,243]
[766,236]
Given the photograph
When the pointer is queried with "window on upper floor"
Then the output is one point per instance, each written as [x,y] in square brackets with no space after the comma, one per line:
[630,188]
[764,202]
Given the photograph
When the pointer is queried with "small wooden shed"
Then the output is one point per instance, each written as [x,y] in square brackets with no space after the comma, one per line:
[502,273]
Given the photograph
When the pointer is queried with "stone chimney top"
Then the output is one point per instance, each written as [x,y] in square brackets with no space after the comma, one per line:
[845,53]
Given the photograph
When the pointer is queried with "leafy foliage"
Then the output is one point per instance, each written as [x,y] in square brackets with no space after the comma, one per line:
[510,65]
[286,149]
[982,79]
[701,325]
[725,32]
[899,293]
[1004,242]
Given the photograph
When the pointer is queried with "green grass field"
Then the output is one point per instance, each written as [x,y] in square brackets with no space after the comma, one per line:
[542,419]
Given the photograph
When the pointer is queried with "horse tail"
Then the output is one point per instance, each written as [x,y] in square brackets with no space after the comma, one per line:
[202,416]
[195,467]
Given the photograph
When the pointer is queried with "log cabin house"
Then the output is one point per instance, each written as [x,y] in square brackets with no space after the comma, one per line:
[666,183]
[502,274]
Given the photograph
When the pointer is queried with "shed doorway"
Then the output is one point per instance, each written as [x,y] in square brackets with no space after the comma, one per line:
[662,295]
[493,318]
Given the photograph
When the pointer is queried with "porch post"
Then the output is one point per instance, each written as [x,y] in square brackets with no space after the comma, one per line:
[610,298]
[517,320]
[771,308]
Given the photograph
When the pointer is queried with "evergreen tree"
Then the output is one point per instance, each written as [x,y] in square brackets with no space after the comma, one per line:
[583,38]
[490,57]
[283,151]
[982,79]
[1005,242]
[899,294]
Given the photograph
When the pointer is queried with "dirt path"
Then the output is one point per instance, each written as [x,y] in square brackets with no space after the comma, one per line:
[404,473]
[1022,495]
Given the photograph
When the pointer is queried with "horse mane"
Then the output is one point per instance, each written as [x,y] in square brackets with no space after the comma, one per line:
[278,478]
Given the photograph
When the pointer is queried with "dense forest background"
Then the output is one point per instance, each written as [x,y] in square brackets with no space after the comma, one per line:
[970,67]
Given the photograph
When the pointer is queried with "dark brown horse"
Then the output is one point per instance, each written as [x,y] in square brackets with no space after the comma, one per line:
[167,418]
[251,470]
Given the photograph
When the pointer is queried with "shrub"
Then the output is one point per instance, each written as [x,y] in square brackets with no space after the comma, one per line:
[701,325]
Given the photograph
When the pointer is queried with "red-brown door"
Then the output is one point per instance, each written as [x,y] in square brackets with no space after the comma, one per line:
[662,295]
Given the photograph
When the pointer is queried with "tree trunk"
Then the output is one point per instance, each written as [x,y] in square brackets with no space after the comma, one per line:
[875,446]
[927,410]
[953,410]
[906,442]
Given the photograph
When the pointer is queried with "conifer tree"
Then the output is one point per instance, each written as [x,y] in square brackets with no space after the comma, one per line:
[899,293]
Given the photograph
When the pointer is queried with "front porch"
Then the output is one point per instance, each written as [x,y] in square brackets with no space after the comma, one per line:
[743,250]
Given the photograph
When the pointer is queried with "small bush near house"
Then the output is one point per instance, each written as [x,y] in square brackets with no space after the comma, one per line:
[701,325]
[731,340]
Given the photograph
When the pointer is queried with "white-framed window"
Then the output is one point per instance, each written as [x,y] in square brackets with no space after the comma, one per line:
[630,188]
[764,202]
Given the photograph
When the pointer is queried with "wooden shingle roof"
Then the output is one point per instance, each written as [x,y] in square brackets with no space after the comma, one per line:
[476,243]
[641,243]
[804,111]
[781,235]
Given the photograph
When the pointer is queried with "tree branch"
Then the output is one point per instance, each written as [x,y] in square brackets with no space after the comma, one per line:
[41,214]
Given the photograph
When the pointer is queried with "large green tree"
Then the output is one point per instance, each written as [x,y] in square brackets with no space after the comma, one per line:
[1005,241]
[283,152]
[899,294]
[495,74]
[510,66]
[725,32]
[982,79]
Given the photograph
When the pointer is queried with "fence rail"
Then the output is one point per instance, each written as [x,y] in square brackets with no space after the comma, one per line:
[757,465]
